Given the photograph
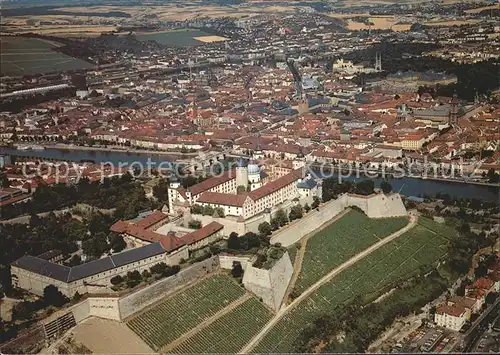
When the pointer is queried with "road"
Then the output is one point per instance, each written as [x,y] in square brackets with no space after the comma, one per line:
[285,309]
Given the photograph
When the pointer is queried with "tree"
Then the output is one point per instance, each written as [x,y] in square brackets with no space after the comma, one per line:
[493,176]
[116,280]
[53,297]
[197,209]
[133,278]
[295,212]
[158,269]
[146,275]
[4,181]
[491,298]
[23,310]
[77,297]
[265,229]
[117,242]
[281,217]
[194,224]
[219,211]
[160,190]
[385,187]
[365,187]
[96,245]
[307,208]
[237,270]
[480,271]
[233,241]
[75,260]
[316,202]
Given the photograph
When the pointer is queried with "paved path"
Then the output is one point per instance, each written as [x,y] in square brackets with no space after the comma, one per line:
[285,309]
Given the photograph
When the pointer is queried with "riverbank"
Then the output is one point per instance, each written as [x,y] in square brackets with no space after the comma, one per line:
[119,150]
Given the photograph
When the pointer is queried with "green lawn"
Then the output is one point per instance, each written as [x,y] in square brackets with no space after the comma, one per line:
[178,314]
[423,245]
[340,241]
[230,333]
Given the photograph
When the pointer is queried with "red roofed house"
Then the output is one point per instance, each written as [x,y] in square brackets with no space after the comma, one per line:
[451,317]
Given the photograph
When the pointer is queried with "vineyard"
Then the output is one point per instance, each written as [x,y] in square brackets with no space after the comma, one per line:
[340,241]
[178,314]
[229,333]
[422,246]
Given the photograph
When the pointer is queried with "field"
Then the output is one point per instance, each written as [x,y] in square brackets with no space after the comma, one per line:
[167,321]
[176,38]
[422,246]
[229,333]
[210,39]
[340,241]
[21,56]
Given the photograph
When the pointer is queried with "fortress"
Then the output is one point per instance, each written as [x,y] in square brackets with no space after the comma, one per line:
[247,195]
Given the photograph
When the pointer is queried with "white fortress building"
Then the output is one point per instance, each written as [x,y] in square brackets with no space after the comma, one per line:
[245,192]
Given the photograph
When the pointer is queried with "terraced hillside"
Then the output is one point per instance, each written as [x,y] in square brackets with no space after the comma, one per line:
[167,321]
[340,241]
[422,245]
[229,333]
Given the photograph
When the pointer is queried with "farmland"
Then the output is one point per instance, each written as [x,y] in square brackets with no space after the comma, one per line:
[170,319]
[175,38]
[340,241]
[23,56]
[420,247]
[229,333]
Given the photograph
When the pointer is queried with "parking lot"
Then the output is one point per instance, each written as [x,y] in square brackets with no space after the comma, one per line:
[429,339]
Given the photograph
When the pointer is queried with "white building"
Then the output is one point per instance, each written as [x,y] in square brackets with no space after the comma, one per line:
[451,317]
[261,194]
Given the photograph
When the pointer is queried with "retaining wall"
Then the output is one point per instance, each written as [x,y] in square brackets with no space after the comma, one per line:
[374,206]
[137,301]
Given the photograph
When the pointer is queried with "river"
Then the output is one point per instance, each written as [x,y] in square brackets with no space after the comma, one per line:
[407,186]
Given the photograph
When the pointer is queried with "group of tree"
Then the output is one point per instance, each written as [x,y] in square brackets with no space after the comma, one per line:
[51,297]
[134,278]
[279,220]
[332,188]
[296,212]
[160,190]
[207,210]
[126,195]
[246,242]
[194,224]
[471,78]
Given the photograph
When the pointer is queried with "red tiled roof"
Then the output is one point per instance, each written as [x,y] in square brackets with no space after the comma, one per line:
[455,311]
[202,233]
[465,302]
[483,283]
[151,220]
[218,198]
[14,200]
[170,242]
[275,185]
[212,182]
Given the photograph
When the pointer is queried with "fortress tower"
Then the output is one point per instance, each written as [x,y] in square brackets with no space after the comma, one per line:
[242,174]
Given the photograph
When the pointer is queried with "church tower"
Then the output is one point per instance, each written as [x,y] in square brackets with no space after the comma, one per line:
[453,116]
